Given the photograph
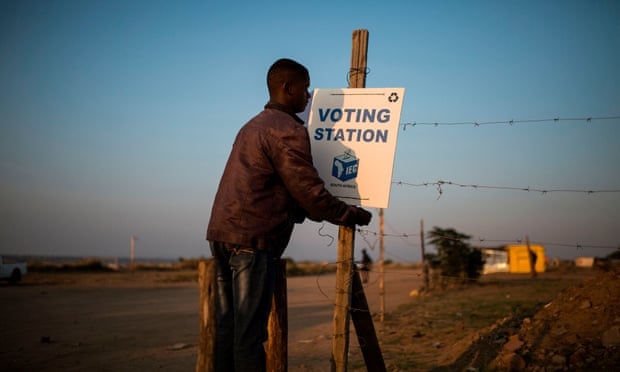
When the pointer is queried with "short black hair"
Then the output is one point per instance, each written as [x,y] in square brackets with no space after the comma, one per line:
[282,69]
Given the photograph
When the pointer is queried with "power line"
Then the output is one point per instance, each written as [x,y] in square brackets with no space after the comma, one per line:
[511,122]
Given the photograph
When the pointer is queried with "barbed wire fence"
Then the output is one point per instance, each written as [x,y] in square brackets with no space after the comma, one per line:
[370,237]
[511,122]
[439,185]
[366,235]
[410,272]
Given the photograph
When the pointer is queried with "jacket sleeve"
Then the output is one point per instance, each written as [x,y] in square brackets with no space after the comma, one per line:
[292,160]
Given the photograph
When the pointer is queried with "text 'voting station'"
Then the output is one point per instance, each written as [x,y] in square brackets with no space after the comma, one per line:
[353,134]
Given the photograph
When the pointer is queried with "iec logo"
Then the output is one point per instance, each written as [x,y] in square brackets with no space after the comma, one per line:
[345,166]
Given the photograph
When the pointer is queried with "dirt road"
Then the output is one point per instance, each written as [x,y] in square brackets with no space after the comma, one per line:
[311,309]
[105,322]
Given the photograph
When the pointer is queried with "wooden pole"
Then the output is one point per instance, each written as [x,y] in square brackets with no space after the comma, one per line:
[531,254]
[276,346]
[381,268]
[132,252]
[365,329]
[206,343]
[359,56]
[344,272]
[346,235]
[424,263]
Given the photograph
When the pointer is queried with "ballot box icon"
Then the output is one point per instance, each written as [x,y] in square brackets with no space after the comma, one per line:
[345,167]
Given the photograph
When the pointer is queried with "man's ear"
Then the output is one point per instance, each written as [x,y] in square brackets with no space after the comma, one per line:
[288,88]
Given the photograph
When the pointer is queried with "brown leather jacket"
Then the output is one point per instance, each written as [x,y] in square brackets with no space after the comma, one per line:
[269,184]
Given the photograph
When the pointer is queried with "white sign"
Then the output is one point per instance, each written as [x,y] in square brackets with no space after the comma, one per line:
[353,135]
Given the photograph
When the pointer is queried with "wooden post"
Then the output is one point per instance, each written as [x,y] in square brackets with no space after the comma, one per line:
[381,269]
[276,347]
[359,55]
[424,263]
[531,255]
[364,328]
[346,235]
[344,273]
[206,344]
[132,252]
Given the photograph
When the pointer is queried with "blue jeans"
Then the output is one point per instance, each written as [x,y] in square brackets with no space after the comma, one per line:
[245,285]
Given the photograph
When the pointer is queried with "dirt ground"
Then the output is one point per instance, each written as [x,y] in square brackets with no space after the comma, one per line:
[562,320]
[149,321]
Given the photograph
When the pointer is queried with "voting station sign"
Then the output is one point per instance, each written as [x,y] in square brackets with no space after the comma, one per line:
[353,136]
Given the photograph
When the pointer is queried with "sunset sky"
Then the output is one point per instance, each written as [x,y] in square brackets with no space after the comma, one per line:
[117,117]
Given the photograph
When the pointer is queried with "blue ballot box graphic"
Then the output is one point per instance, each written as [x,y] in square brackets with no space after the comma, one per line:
[345,167]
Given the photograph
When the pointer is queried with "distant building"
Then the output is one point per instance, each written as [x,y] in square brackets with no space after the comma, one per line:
[514,258]
[586,262]
[495,260]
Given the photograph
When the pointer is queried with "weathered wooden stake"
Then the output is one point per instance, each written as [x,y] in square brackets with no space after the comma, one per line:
[346,235]
[381,269]
[206,344]
[276,346]
[344,272]
[427,283]
[531,256]
[132,252]
[364,328]
[359,56]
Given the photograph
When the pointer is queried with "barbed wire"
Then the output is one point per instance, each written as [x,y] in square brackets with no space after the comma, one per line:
[355,71]
[326,235]
[437,276]
[485,240]
[587,119]
[354,272]
[436,283]
[439,186]
[365,233]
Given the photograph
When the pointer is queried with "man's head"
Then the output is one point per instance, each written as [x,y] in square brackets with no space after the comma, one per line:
[288,83]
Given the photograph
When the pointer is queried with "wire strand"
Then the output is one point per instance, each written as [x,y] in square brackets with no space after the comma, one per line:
[439,186]
[485,240]
[587,119]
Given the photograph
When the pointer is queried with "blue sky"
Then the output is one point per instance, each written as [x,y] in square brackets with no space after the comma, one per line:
[116,117]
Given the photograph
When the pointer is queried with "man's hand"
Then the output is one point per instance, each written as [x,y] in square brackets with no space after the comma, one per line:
[358,216]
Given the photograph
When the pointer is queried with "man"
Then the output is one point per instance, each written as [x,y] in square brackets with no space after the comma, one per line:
[268,185]
[366,266]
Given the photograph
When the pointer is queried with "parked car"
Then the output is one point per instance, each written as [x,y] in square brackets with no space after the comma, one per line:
[12,271]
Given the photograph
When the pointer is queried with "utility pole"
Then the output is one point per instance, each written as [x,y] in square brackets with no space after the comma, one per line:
[132,251]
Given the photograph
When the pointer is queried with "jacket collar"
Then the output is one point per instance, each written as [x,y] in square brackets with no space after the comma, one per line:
[277,106]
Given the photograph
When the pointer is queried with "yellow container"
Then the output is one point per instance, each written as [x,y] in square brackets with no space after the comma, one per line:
[520,259]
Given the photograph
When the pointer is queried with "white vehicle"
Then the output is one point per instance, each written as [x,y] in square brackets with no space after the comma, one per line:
[12,271]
